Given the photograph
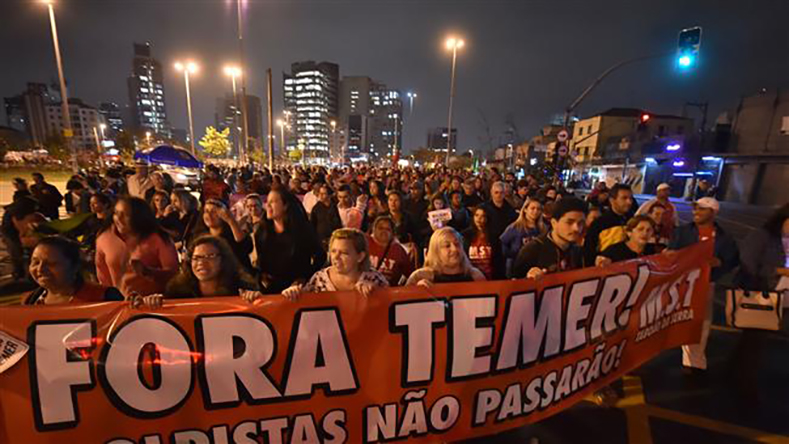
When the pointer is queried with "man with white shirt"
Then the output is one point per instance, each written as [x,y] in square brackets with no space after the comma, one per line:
[350,214]
[139,182]
[311,198]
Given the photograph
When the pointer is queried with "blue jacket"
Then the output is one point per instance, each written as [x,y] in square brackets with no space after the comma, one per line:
[725,247]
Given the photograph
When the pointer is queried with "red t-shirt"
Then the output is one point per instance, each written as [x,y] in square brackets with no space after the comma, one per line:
[480,252]
[395,265]
[706,232]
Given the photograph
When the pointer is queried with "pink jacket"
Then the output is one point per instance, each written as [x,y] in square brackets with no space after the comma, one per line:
[113,262]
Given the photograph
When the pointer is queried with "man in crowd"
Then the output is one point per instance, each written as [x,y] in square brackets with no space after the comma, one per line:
[725,258]
[48,197]
[499,210]
[325,217]
[350,214]
[311,198]
[670,217]
[558,249]
[471,197]
[609,228]
[139,182]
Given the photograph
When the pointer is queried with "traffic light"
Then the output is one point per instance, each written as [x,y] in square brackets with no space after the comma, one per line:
[688,46]
[642,122]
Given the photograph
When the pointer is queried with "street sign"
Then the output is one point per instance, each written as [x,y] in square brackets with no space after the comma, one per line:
[563,150]
[562,136]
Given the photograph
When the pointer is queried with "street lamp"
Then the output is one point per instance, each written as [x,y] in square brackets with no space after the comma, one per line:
[188,68]
[148,138]
[68,131]
[233,72]
[411,97]
[281,124]
[452,44]
[333,124]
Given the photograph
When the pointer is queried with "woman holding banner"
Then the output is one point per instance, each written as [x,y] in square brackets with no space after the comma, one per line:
[639,230]
[349,270]
[213,270]
[56,266]
[446,261]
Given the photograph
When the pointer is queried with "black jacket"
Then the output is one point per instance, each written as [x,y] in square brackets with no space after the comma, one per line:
[607,230]
[325,219]
[541,252]
[760,255]
[500,217]
[725,247]
[286,258]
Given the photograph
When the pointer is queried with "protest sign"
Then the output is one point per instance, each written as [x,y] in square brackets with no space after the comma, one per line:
[432,364]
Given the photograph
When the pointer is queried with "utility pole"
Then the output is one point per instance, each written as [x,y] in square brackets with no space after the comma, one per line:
[245,129]
[270,122]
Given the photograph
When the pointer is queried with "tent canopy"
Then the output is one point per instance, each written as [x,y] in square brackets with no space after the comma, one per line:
[169,155]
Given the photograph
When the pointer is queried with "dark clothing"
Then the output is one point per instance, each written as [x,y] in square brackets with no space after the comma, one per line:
[87,293]
[49,199]
[325,219]
[83,202]
[499,217]
[406,229]
[761,254]
[18,194]
[214,189]
[543,253]
[471,201]
[416,208]
[725,247]
[461,219]
[451,278]
[606,230]
[481,256]
[181,287]
[621,252]
[288,257]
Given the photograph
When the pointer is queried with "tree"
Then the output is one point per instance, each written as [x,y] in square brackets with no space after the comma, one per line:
[124,143]
[215,143]
[57,148]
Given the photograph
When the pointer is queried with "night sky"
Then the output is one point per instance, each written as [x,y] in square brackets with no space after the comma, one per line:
[523,59]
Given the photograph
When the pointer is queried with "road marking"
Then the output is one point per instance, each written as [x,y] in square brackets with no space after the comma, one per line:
[638,412]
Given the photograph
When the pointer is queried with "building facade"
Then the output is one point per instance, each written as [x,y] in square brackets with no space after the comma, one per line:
[112,115]
[84,119]
[311,101]
[437,139]
[146,93]
[371,115]
[26,112]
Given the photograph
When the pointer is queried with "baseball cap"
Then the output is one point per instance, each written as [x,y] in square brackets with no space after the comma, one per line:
[708,202]
[663,186]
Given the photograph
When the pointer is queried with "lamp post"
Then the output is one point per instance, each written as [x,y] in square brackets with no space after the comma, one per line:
[411,97]
[148,138]
[68,130]
[452,44]
[188,68]
[244,118]
[233,72]
[333,147]
[281,124]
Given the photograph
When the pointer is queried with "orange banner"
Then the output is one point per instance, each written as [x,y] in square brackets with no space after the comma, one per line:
[441,364]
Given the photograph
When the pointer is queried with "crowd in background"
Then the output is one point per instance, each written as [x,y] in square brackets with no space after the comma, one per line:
[139,236]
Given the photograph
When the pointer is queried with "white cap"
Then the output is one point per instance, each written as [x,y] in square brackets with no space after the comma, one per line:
[663,186]
[709,203]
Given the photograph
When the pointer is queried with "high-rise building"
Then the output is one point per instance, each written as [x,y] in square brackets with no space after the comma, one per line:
[437,139]
[112,115]
[310,95]
[27,111]
[372,116]
[146,93]
[84,119]
[225,113]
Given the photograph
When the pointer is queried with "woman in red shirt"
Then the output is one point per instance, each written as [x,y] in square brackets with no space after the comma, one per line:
[483,249]
[56,266]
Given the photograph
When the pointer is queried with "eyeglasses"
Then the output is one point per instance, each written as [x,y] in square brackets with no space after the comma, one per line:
[204,257]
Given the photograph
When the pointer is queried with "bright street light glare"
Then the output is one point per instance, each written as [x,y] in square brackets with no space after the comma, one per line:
[685,61]
[451,43]
[103,126]
[192,67]
[232,71]
[280,122]
[179,66]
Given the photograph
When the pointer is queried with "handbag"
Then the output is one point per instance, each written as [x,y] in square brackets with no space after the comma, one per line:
[761,310]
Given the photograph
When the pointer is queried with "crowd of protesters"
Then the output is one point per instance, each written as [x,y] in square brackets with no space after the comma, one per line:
[135,235]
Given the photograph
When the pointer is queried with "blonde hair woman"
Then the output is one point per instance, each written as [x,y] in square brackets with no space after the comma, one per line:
[526,227]
[446,261]
[349,270]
